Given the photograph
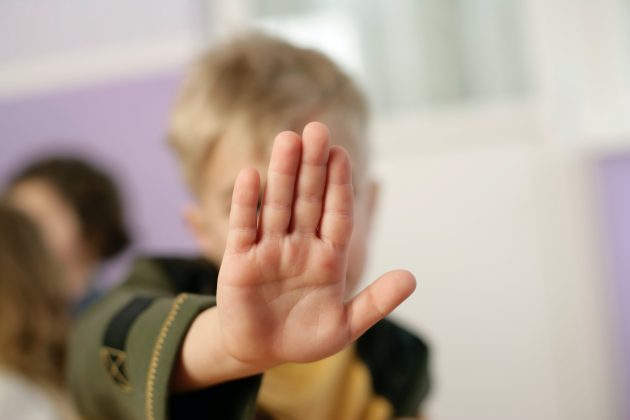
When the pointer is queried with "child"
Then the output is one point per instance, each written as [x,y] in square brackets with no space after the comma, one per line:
[181,340]
[77,208]
[33,325]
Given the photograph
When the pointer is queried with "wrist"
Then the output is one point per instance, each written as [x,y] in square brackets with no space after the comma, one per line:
[203,360]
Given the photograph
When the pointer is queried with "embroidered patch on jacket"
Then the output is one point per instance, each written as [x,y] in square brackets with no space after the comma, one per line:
[114,362]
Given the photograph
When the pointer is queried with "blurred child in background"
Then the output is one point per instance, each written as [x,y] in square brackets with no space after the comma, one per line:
[78,210]
[33,325]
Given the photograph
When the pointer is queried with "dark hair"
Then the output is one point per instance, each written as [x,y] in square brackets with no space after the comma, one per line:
[90,193]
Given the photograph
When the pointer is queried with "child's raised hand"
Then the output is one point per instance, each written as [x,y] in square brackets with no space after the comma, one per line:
[282,283]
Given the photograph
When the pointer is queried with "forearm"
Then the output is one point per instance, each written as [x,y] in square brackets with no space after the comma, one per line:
[121,350]
[203,361]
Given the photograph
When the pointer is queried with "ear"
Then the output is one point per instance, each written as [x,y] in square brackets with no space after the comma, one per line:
[193,217]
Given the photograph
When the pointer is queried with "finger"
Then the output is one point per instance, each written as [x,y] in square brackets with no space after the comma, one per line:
[242,230]
[377,300]
[337,216]
[281,175]
[307,209]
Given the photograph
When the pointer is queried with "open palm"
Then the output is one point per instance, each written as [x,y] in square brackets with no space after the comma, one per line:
[281,289]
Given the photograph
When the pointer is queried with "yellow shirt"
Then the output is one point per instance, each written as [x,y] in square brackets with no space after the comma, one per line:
[336,388]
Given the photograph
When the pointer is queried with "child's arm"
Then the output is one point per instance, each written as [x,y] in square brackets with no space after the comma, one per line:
[280,298]
[281,289]
[124,347]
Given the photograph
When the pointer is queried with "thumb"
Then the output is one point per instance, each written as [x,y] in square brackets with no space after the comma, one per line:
[377,300]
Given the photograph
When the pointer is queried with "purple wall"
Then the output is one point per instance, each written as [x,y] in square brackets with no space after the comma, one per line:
[614,177]
[120,125]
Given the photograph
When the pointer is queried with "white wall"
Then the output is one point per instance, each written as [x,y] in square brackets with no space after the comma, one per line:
[493,224]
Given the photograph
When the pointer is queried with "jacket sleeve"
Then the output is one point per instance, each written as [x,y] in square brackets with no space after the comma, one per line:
[124,347]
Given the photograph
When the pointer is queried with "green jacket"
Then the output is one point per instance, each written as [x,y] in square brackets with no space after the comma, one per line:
[124,347]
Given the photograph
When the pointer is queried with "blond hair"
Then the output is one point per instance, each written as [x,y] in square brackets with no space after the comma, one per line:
[33,316]
[261,85]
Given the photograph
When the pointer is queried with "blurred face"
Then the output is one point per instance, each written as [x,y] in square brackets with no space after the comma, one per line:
[59,227]
[209,219]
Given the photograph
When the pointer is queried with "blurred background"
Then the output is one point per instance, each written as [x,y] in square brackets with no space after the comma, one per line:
[501,137]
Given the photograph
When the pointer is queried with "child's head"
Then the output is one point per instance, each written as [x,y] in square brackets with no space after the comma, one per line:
[33,321]
[236,99]
[77,208]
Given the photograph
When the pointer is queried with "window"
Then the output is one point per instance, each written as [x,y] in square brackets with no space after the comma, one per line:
[410,54]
